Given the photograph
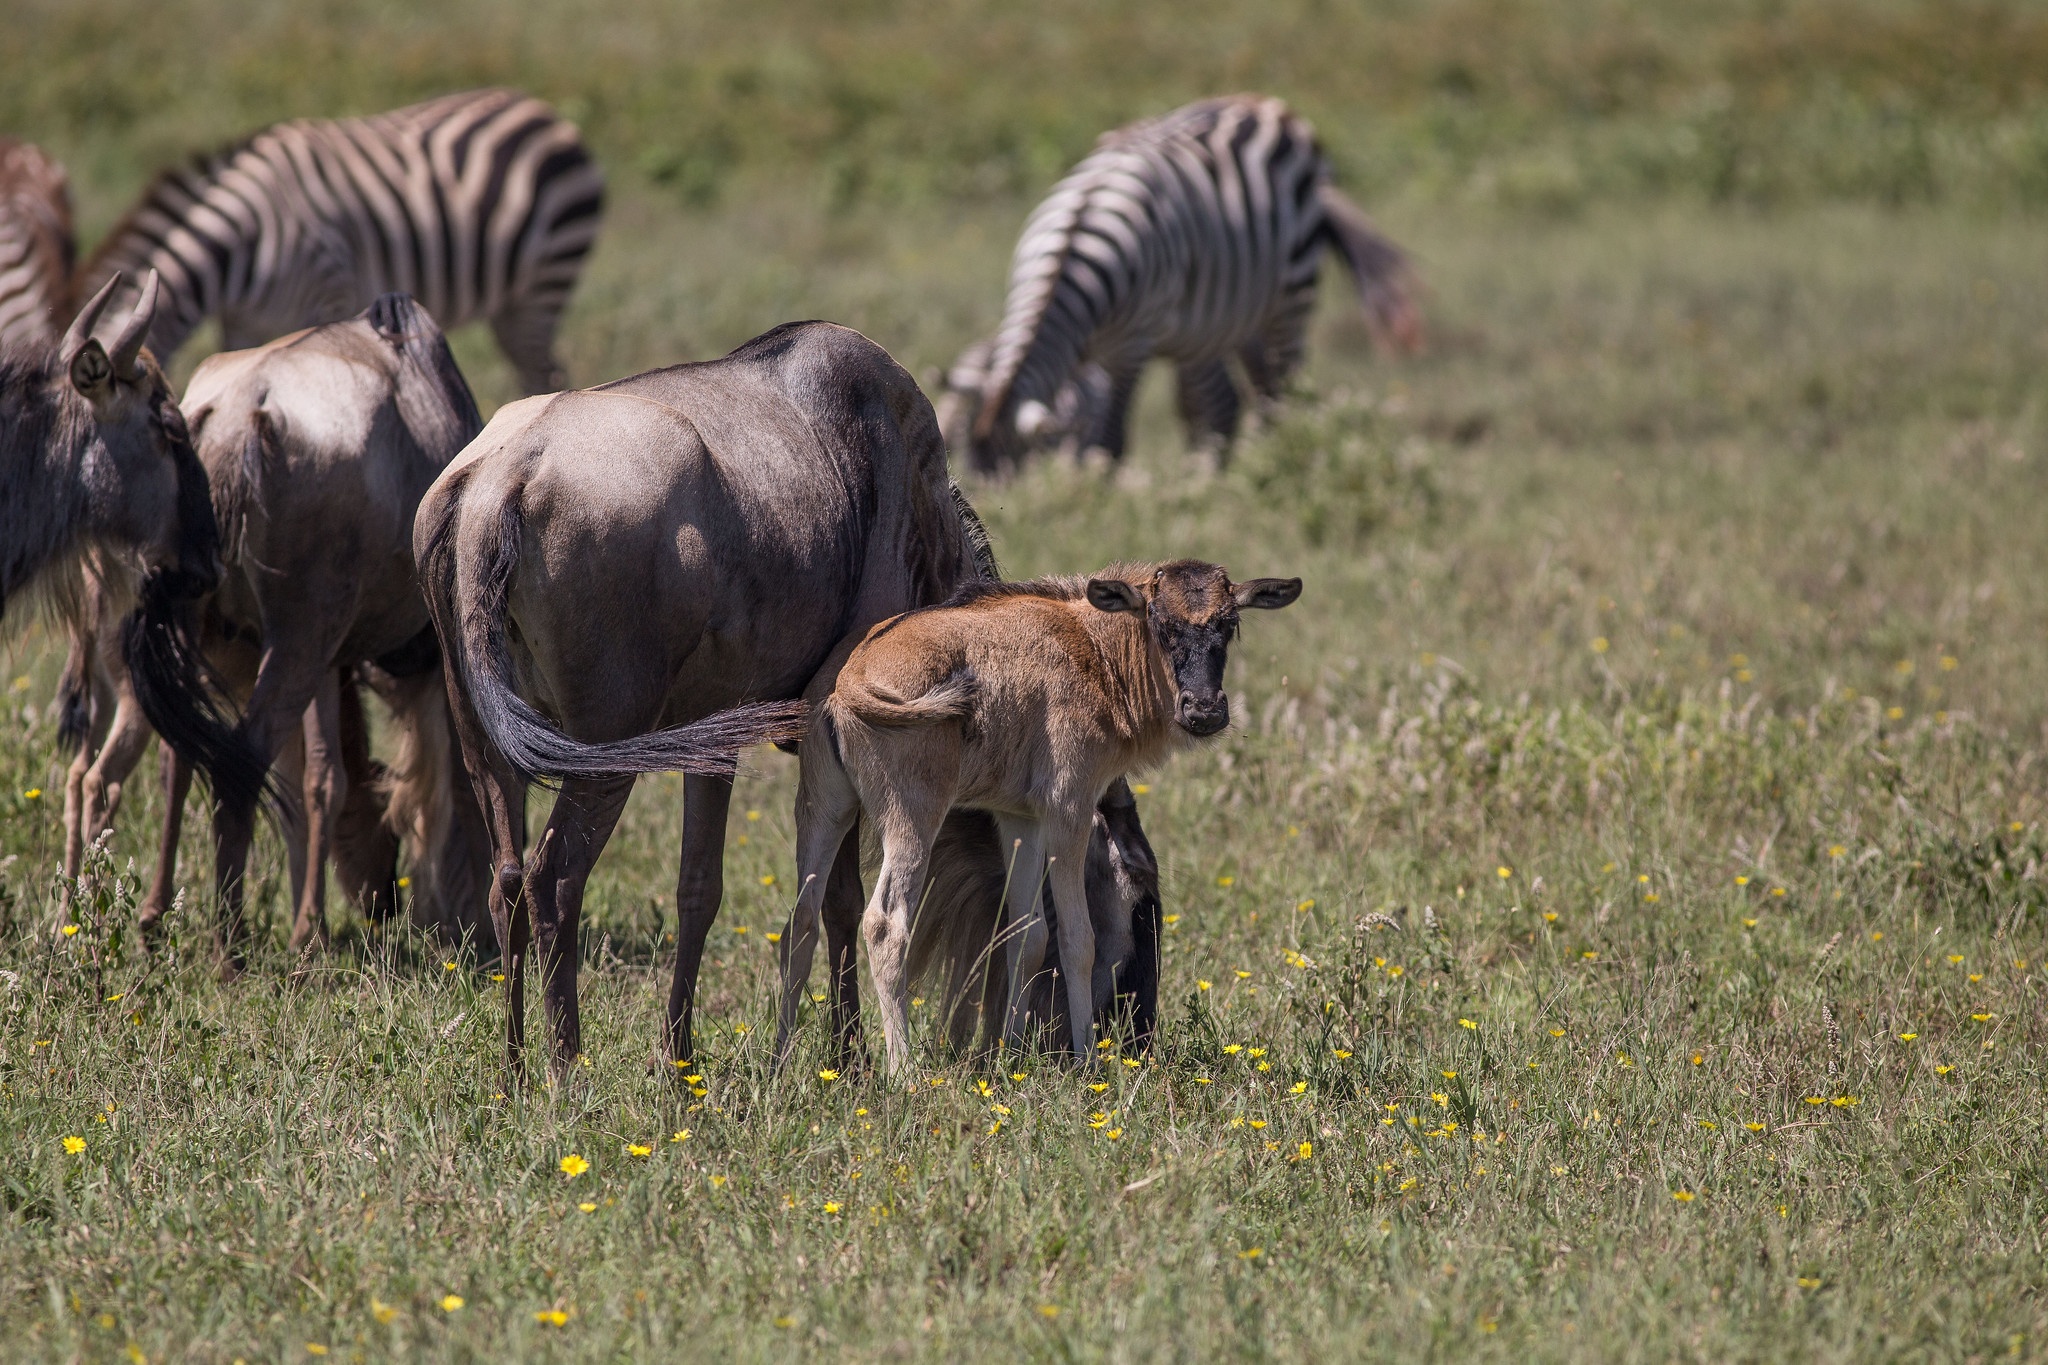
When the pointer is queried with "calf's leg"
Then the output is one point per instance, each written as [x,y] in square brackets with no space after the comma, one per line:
[906,850]
[1067,872]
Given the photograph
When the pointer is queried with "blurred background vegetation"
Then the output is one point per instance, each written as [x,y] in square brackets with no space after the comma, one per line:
[1538,104]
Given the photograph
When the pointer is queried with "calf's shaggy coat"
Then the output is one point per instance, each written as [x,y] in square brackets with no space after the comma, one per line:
[1026,701]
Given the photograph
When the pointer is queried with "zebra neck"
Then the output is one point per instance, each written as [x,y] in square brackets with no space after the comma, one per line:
[196,276]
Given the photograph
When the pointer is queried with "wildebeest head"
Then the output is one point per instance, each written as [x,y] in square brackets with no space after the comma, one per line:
[1191,613]
[145,485]
[95,451]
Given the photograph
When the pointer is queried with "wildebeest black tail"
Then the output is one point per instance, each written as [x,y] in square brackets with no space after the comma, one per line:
[178,696]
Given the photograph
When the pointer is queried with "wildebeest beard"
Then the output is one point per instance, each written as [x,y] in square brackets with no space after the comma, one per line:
[177,689]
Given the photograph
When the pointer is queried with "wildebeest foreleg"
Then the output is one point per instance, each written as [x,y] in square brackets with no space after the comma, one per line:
[700,887]
[585,813]
[287,682]
[843,903]
[177,777]
[326,785]
[826,813]
[93,789]
[1024,920]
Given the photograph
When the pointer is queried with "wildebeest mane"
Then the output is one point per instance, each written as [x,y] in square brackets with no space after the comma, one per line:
[176,687]
[38,415]
[979,545]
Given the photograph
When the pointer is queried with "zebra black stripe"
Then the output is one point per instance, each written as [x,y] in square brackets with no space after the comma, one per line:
[1195,236]
[480,205]
[35,245]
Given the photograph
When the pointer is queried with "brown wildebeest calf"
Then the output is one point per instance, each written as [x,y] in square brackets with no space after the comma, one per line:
[1025,700]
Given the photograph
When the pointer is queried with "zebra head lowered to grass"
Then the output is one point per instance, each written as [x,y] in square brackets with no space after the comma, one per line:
[1195,237]
[479,205]
[37,250]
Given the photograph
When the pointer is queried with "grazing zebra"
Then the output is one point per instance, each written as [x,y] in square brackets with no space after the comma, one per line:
[481,204]
[36,248]
[1195,236]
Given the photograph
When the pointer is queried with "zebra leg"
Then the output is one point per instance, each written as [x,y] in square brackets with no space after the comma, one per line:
[1272,357]
[1113,433]
[1209,406]
[525,329]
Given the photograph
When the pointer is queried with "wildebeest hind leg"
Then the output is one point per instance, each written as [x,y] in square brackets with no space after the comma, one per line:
[501,795]
[326,786]
[825,814]
[585,813]
[700,887]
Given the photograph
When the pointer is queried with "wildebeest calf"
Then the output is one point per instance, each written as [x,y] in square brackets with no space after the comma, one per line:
[1025,700]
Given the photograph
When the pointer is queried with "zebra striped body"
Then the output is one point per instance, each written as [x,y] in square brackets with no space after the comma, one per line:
[480,205]
[1195,236]
[36,250]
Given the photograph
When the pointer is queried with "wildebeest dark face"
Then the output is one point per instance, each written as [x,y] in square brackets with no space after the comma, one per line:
[144,480]
[1191,610]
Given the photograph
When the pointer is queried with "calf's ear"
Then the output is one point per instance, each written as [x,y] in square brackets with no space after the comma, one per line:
[1267,594]
[1113,594]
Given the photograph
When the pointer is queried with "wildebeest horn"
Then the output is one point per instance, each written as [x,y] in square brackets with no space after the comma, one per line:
[82,325]
[128,345]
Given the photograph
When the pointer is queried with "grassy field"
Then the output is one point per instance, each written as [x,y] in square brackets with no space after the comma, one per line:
[1668,681]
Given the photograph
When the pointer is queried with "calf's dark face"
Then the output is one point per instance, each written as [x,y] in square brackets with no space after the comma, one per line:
[1191,610]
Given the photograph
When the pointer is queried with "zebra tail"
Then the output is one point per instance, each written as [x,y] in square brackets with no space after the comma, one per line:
[475,628]
[1380,269]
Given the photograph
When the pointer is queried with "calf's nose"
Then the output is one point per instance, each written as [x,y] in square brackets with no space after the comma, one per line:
[1203,715]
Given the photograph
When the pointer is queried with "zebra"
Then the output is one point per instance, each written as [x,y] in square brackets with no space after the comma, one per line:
[37,249]
[481,204]
[1195,236]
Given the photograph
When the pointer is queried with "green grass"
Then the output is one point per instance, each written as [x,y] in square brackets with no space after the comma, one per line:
[1702,545]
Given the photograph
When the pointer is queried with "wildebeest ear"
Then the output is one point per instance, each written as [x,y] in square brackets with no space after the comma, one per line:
[1267,594]
[91,369]
[1113,594]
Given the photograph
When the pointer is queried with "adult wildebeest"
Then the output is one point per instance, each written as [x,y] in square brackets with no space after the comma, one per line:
[1026,700]
[318,446]
[95,457]
[604,562]
[1195,236]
